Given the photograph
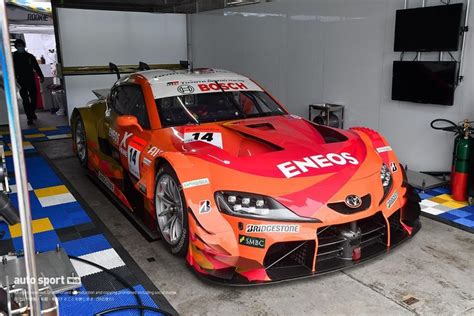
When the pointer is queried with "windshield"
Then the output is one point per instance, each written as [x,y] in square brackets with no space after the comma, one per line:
[214,107]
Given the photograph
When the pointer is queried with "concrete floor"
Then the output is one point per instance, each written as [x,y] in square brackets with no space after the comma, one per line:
[436,268]
[45,119]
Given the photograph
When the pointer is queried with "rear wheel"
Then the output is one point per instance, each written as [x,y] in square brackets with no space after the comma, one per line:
[80,141]
[170,207]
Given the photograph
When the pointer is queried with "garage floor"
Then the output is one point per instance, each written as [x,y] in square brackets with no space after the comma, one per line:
[59,218]
[433,274]
[45,119]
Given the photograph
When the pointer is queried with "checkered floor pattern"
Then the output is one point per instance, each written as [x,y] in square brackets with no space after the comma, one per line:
[58,218]
[33,135]
[439,205]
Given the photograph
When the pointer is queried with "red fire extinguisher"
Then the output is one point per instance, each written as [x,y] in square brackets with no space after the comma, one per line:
[461,156]
[461,170]
[453,164]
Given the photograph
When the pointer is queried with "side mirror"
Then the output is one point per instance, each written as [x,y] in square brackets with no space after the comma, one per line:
[127,121]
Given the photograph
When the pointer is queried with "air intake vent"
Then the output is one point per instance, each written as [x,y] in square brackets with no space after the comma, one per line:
[269,146]
[291,259]
[397,232]
[262,126]
[330,135]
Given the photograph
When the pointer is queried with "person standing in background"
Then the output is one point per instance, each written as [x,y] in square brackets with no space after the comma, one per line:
[25,66]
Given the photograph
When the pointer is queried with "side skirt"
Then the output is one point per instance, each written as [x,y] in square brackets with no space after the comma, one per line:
[131,216]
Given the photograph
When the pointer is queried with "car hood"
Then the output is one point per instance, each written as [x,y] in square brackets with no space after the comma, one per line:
[277,146]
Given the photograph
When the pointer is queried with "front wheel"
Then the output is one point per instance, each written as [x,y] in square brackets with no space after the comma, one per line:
[80,141]
[170,207]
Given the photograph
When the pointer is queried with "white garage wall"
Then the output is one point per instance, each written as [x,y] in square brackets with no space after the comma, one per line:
[337,51]
[97,37]
[40,44]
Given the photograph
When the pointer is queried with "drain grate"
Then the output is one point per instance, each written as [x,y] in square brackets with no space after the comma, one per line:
[410,300]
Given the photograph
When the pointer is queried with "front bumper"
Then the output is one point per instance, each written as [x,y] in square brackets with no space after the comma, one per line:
[335,247]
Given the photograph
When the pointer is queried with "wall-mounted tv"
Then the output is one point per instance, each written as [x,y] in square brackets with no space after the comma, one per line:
[427,29]
[424,81]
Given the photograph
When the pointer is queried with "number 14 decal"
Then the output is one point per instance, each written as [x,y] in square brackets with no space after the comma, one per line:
[203,136]
[133,156]
[214,139]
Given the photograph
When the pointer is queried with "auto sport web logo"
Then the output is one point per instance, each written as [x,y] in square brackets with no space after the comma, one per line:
[185,89]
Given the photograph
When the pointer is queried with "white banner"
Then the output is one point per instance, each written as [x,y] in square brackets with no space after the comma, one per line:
[17,15]
[182,87]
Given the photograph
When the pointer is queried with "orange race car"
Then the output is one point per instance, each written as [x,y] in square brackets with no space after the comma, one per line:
[247,192]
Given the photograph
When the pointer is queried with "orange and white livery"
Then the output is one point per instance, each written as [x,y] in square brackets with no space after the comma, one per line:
[247,192]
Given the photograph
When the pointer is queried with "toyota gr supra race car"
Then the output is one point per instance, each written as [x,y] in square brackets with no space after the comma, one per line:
[247,192]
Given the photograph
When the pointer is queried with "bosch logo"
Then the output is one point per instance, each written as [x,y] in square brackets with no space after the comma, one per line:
[185,89]
[353,201]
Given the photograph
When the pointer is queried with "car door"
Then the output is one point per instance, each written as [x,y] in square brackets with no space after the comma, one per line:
[129,127]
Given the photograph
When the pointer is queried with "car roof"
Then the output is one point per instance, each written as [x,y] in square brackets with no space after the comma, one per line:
[165,83]
[208,74]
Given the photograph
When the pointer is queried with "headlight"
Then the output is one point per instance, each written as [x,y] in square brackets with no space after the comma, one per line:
[387,181]
[255,206]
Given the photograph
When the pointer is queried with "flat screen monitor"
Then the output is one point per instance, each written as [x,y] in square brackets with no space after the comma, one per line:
[431,82]
[427,29]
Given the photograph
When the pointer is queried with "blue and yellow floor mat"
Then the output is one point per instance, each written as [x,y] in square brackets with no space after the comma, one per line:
[33,135]
[61,218]
[437,204]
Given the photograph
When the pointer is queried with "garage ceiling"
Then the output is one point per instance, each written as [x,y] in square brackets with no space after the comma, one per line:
[159,6]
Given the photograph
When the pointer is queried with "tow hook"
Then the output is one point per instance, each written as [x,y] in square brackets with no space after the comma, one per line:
[351,249]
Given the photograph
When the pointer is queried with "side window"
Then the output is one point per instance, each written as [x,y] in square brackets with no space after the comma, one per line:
[114,100]
[129,100]
[247,104]
[120,98]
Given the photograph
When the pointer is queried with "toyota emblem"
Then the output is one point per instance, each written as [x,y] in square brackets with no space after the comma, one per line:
[185,89]
[353,201]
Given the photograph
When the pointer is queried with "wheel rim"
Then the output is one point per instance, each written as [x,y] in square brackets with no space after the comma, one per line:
[80,141]
[169,209]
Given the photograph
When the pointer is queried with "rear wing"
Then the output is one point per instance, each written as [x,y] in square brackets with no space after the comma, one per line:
[104,93]
[114,69]
[142,66]
[101,93]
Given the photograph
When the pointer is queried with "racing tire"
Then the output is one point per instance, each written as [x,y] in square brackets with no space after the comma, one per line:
[171,211]
[80,141]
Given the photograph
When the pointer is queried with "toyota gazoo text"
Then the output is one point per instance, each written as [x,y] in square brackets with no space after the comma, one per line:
[247,192]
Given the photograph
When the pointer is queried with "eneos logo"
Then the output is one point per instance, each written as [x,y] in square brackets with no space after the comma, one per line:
[296,167]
